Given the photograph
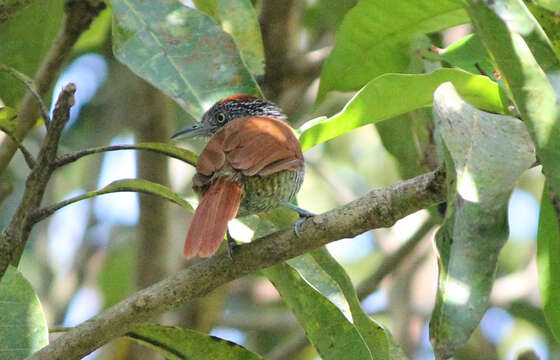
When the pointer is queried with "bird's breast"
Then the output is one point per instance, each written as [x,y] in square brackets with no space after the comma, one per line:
[263,193]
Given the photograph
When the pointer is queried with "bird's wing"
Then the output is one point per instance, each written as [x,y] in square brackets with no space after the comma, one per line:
[253,146]
[258,143]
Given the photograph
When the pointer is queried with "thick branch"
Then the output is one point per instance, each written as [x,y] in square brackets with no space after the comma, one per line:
[278,26]
[79,14]
[16,233]
[379,208]
[152,124]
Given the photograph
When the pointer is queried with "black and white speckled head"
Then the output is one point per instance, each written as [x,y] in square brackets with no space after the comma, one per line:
[228,109]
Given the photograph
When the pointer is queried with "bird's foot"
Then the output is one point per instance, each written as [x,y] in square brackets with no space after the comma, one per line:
[231,244]
[303,215]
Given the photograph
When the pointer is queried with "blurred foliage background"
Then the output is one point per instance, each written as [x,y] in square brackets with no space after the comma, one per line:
[94,253]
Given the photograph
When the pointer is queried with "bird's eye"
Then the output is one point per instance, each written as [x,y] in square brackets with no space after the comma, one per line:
[220,118]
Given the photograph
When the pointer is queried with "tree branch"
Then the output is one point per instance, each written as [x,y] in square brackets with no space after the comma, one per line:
[15,235]
[29,160]
[79,14]
[378,208]
[279,23]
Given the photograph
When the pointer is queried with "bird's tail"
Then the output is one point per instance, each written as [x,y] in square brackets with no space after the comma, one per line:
[218,205]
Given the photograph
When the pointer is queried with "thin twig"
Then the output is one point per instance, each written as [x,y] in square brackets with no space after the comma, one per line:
[394,260]
[15,235]
[480,69]
[378,208]
[29,160]
[28,82]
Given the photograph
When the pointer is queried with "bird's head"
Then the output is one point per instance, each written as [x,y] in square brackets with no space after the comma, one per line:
[228,109]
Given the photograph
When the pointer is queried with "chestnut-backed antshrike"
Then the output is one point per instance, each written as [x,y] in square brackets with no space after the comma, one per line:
[252,163]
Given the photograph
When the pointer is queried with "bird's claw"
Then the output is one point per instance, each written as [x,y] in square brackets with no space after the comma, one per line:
[303,215]
[297,225]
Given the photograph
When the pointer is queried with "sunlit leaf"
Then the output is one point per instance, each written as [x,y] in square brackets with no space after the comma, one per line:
[552,5]
[382,98]
[548,261]
[96,34]
[515,15]
[485,155]
[521,50]
[550,22]
[328,329]
[23,328]
[8,119]
[375,38]
[466,53]
[377,339]
[177,344]
[239,19]
[326,14]
[181,51]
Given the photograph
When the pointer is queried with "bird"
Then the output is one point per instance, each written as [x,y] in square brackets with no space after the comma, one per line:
[252,163]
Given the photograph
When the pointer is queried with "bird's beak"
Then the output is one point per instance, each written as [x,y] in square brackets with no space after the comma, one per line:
[199,128]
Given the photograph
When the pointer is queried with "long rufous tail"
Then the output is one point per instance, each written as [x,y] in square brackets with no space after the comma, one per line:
[218,205]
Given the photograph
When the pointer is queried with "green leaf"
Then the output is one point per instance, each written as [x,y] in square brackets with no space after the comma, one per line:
[409,153]
[548,262]
[332,334]
[24,43]
[163,148]
[465,53]
[382,98]
[552,5]
[518,46]
[326,14]
[320,294]
[8,119]
[376,338]
[239,19]
[137,185]
[96,34]
[177,344]
[550,22]
[23,328]
[519,20]
[125,185]
[375,38]
[181,51]
[209,7]
[116,278]
[486,154]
